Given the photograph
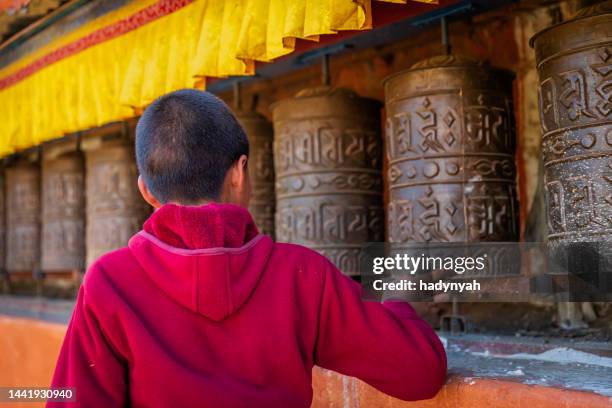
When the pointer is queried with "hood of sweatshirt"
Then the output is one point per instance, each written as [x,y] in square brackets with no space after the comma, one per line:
[207,258]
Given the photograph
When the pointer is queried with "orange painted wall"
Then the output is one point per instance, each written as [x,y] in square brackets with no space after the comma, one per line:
[334,390]
[29,349]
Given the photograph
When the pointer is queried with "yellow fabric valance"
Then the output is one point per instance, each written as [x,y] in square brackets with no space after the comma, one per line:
[114,65]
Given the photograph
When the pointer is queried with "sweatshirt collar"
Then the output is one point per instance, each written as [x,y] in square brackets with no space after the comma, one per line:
[212,225]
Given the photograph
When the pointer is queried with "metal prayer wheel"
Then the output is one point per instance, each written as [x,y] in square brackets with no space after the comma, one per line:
[327,159]
[63,209]
[450,144]
[115,208]
[574,62]
[261,168]
[23,217]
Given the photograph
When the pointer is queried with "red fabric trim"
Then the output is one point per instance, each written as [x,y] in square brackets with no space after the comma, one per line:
[120,27]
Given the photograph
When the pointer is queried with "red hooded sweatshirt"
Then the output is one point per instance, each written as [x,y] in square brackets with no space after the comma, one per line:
[200,310]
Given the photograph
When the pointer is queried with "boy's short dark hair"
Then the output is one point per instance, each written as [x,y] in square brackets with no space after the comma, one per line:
[186,141]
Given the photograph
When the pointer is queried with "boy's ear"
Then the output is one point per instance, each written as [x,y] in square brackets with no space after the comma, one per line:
[146,194]
[243,162]
[238,172]
[240,183]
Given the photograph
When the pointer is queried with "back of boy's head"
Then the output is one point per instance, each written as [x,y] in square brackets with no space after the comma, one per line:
[186,141]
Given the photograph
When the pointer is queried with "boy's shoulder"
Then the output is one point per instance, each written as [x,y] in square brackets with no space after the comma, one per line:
[299,257]
[108,268]
[297,251]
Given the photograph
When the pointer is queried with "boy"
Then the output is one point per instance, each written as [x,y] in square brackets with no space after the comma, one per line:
[200,310]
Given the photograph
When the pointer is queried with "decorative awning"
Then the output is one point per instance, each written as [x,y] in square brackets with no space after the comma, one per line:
[110,67]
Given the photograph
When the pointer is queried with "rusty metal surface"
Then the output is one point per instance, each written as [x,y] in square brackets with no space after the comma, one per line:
[261,168]
[115,208]
[450,143]
[22,218]
[574,61]
[63,213]
[327,158]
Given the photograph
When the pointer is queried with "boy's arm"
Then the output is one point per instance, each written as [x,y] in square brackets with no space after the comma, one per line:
[386,345]
[88,363]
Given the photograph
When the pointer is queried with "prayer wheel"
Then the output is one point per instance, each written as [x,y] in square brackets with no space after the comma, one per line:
[261,168]
[450,143]
[574,62]
[327,159]
[63,209]
[115,208]
[23,218]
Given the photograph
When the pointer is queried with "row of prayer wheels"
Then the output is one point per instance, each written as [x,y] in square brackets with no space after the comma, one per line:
[450,144]
[451,174]
[76,200]
[317,171]
[69,205]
